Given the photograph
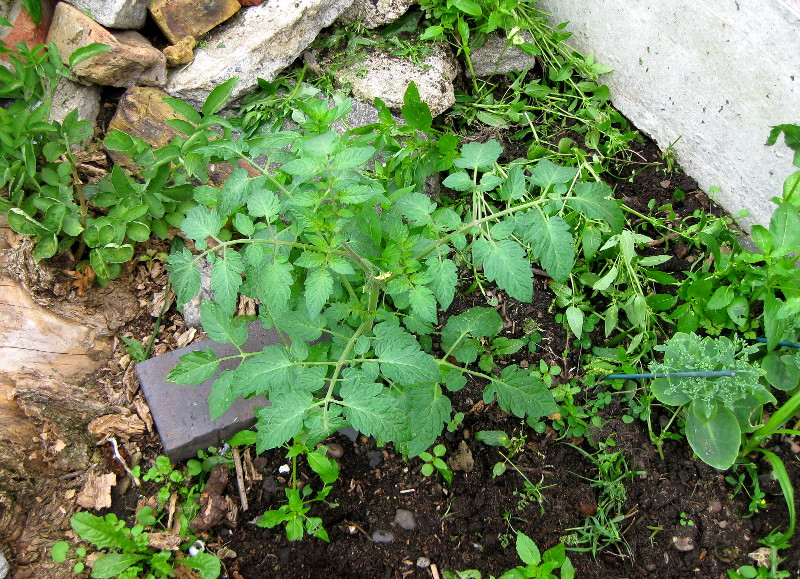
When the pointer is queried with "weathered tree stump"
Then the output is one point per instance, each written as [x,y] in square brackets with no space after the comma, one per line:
[50,349]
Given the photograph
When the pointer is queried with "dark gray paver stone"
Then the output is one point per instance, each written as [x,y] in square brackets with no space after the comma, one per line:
[180,412]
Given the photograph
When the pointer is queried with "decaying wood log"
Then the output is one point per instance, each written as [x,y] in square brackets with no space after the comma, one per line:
[50,350]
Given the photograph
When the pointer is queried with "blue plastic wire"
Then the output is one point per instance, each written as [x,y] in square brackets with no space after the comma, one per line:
[787,344]
[647,376]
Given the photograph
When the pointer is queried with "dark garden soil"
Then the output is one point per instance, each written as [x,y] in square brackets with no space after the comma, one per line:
[679,518]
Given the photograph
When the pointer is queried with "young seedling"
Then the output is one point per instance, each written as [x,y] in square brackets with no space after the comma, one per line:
[434,463]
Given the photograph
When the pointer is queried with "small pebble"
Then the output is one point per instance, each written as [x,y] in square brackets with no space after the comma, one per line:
[423,562]
[260,463]
[650,567]
[4,566]
[375,458]
[405,519]
[350,432]
[284,469]
[683,544]
[380,536]
[335,450]
[270,485]
[715,506]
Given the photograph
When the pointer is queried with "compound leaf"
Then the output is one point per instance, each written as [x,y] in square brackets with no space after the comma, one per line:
[222,395]
[546,173]
[274,285]
[479,156]
[201,223]
[267,370]
[401,358]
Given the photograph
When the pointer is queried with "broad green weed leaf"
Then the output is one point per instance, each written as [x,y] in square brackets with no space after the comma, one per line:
[86,52]
[370,409]
[591,198]
[100,532]
[113,564]
[220,326]
[219,96]
[194,367]
[575,320]
[184,275]
[785,226]
[546,174]
[283,420]
[527,550]
[551,243]
[226,279]
[721,298]
[185,110]
[428,410]
[23,223]
[479,156]
[207,564]
[444,278]
[504,261]
[319,286]
[521,394]
[715,441]
[416,113]
[326,468]
[458,181]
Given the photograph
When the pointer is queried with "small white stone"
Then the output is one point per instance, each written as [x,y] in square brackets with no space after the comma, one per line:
[284,469]
[4,566]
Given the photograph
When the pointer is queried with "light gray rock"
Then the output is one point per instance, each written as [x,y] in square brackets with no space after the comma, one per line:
[128,14]
[4,566]
[373,13]
[387,77]
[70,96]
[191,309]
[405,519]
[256,43]
[498,56]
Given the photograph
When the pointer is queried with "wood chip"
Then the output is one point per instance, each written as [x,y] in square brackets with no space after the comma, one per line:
[96,492]
[164,541]
[184,339]
[118,425]
[237,463]
[143,410]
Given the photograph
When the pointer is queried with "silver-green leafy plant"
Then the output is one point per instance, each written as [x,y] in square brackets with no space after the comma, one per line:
[721,409]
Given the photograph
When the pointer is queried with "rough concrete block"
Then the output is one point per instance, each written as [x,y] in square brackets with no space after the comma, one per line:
[180,412]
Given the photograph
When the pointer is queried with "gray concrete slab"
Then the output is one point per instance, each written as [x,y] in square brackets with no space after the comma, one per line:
[180,412]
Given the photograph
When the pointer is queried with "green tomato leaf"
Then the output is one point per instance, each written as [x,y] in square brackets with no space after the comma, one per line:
[226,279]
[274,285]
[504,261]
[194,367]
[267,370]
[595,200]
[201,223]
[283,420]
[222,394]
[520,393]
[220,326]
[319,286]
[401,358]
[444,278]
[551,242]
[184,275]
[428,410]
[546,174]
[370,409]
